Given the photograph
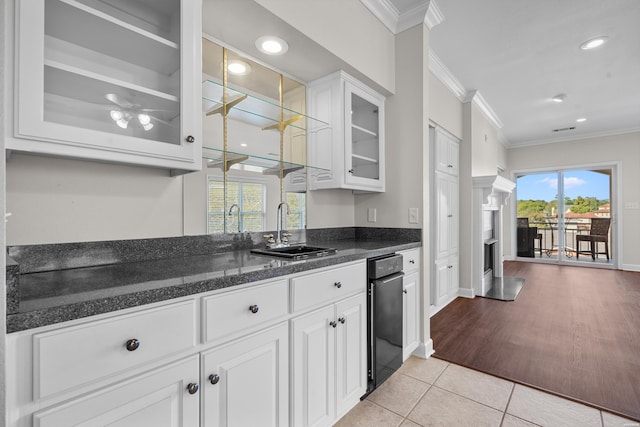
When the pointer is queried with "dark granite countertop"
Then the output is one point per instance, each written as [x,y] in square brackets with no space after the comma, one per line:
[50,297]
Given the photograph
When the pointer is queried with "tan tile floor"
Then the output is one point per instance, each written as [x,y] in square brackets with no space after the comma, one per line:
[433,392]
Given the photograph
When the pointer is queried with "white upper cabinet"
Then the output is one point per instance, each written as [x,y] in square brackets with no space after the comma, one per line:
[352,147]
[110,80]
[447,153]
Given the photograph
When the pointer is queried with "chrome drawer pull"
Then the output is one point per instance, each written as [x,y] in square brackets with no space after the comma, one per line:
[337,285]
[254,308]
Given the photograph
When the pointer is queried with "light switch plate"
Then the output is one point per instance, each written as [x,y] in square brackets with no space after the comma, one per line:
[372,214]
[631,205]
[413,215]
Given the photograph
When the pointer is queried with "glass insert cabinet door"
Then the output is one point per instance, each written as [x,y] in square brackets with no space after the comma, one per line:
[364,143]
[109,75]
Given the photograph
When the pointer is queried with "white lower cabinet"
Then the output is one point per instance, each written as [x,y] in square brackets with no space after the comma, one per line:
[411,262]
[245,383]
[164,397]
[411,314]
[446,280]
[290,351]
[329,362]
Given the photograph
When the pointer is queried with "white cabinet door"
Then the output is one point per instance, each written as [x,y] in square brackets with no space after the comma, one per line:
[245,383]
[351,352]
[446,280]
[411,311]
[364,139]
[313,393]
[447,216]
[447,153]
[351,150]
[109,82]
[165,397]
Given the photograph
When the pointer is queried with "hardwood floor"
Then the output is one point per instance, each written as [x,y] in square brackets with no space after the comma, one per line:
[572,331]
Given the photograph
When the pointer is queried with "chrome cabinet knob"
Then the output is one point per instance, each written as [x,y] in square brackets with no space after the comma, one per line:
[337,285]
[342,320]
[132,344]
[214,378]
[254,308]
[411,261]
[333,323]
[404,291]
[193,388]
[190,139]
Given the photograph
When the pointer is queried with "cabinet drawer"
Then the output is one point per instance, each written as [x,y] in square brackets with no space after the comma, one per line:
[233,311]
[74,356]
[312,290]
[411,260]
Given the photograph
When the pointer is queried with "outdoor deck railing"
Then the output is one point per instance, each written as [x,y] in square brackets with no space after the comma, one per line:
[549,231]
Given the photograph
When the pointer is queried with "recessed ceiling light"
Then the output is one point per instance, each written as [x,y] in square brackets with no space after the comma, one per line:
[272,45]
[559,98]
[239,68]
[594,43]
[581,120]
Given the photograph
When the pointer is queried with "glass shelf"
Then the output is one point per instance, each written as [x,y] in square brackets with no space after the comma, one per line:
[256,111]
[268,166]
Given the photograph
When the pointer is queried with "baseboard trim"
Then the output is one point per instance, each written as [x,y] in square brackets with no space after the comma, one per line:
[466,293]
[631,267]
[424,350]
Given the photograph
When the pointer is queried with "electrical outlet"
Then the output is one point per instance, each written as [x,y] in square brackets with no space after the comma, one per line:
[372,214]
[413,215]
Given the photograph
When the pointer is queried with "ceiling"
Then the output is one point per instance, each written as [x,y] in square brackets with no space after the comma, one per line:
[519,54]
[514,55]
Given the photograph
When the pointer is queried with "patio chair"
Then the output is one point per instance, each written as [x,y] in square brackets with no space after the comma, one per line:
[599,233]
[523,222]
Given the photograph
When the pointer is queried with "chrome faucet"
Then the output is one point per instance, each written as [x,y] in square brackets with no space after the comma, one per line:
[282,239]
[235,205]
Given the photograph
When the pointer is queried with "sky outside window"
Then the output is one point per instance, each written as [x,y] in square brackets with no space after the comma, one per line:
[544,186]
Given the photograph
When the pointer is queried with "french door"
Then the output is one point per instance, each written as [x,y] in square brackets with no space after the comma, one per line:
[566,215]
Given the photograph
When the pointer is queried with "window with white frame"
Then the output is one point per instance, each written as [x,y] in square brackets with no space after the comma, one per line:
[249,196]
[297,215]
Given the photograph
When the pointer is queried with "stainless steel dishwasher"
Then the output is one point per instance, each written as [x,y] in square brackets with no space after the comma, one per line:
[384,323]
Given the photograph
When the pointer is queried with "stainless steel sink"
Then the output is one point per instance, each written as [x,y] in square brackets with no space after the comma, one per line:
[296,252]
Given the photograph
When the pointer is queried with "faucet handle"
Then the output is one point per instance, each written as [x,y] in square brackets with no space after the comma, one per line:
[285,237]
[270,239]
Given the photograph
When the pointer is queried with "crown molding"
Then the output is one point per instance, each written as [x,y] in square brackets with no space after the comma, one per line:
[442,73]
[574,137]
[484,107]
[434,15]
[423,12]
[384,11]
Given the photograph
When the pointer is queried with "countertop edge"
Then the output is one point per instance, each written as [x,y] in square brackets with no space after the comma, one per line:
[22,321]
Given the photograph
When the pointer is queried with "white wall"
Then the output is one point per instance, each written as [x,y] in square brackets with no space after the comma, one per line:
[6,26]
[58,200]
[484,144]
[348,30]
[406,139]
[445,108]
[624,149]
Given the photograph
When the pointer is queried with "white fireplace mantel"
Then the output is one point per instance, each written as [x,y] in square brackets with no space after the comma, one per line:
[495,190]
[489,193]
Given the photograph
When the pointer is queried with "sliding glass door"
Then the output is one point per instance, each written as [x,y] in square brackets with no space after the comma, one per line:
[565,216]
